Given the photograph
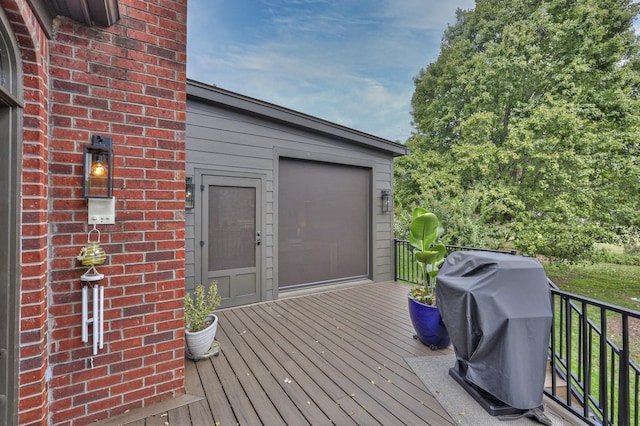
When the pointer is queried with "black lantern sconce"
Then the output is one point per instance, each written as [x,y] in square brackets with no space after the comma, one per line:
[97,179]
[189,193]
[387,203]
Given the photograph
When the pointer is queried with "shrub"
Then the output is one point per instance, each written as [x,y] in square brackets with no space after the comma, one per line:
[632,241]
[200,305]
[617,258]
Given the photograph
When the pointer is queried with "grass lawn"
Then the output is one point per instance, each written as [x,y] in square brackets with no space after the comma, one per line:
[607,282]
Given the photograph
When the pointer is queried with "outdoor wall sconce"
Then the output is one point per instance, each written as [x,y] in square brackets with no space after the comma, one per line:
[189,193]
[97,179]
[386,201]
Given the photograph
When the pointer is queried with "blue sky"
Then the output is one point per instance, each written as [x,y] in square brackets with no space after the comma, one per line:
[351,62]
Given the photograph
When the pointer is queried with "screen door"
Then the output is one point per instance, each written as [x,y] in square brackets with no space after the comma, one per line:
[231,239]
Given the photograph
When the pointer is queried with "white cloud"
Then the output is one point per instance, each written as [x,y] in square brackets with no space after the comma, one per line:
[355,69]
[423,15]
[315,85]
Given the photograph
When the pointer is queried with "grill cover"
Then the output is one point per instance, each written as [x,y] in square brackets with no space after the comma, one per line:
[497,310]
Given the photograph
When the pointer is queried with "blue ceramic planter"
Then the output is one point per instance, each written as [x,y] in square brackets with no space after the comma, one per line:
[428,324]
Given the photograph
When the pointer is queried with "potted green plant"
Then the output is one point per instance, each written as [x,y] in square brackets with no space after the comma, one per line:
[201,323]
[429,253]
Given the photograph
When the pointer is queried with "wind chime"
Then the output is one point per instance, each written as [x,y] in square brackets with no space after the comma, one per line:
[93,255]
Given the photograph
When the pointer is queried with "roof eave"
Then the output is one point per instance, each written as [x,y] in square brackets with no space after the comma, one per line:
[256,107]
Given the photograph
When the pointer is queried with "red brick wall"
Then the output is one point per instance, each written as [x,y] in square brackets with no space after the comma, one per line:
[127,81]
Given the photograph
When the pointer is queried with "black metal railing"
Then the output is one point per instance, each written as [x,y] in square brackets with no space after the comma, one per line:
[406,268]
[596,375]
[593,374]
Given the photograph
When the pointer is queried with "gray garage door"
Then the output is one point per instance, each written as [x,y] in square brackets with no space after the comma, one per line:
[324,216]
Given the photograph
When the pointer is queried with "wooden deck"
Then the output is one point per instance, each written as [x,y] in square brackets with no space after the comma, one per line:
[335,357]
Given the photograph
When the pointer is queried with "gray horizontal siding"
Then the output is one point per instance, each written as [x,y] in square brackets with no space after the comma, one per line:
[227,141]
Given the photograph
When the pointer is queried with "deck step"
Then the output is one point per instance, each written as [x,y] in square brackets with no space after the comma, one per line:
[561,388]
[561,384]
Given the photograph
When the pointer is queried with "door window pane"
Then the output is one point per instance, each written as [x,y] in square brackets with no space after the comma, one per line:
[232,227]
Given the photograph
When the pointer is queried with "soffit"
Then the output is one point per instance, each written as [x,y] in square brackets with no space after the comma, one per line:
[87,12]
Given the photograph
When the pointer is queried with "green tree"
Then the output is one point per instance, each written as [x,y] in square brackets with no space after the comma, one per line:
[528,123]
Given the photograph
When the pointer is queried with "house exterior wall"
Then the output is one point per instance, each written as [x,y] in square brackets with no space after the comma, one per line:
[227,141]
[127,81]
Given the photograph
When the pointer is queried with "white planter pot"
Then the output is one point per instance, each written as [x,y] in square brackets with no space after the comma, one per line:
[199,343]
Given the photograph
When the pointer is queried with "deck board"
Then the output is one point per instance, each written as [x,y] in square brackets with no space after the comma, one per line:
[179,416]
[287,388]
[199,412]
[232,383]
[377,349]
[367,373]
[356,384]
[156,420]
[335,357]
[270,393]
[301,371]
[386,373]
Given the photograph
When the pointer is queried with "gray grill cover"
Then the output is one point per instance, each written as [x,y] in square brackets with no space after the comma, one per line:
[497,310]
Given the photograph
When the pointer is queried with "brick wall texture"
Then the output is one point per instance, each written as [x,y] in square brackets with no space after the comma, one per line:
[127,81]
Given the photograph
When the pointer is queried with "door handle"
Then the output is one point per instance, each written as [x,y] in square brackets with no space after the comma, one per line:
[258,239]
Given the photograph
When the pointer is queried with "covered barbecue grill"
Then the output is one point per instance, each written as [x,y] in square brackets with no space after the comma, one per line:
[497,310]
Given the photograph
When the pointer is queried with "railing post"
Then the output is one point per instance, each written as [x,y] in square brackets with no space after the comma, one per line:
[623,378]
[554,355]
[603,399]
[569,348]
[586,359]
[395,259]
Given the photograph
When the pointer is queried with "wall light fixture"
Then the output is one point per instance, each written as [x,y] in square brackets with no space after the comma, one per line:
[387,203]
[97,179]
[189,195]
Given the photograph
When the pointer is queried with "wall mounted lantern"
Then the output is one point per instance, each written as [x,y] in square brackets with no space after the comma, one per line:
[189,193]
[97,179]
[386,201]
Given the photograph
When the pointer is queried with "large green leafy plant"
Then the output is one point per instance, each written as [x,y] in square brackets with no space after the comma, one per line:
[428,251]
[199,306]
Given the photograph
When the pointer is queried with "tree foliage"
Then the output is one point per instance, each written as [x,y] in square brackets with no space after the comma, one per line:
[528,125]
